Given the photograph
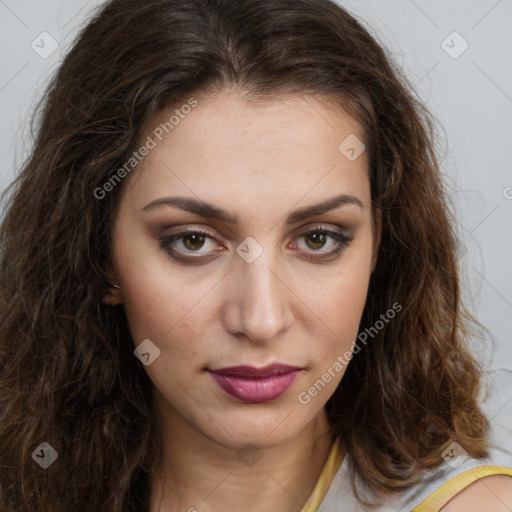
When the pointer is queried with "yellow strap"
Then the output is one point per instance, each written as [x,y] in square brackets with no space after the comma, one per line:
[433,503]
[330,468]
[448,490]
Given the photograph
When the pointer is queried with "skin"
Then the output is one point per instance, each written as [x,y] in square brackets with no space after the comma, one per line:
[489,494]
[260,161]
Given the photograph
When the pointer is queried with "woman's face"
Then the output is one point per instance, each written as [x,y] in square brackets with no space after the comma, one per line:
[278,273]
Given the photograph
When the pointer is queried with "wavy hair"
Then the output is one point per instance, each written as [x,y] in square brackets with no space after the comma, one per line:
[68,375]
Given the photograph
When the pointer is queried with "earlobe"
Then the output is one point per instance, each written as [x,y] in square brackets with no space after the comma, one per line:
[113,296]
[111,300]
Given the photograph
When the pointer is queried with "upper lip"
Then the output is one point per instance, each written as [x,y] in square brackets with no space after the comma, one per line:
[251,371]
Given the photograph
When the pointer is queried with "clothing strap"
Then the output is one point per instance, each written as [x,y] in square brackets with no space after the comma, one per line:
[331,466]
[449,489]
[432,503]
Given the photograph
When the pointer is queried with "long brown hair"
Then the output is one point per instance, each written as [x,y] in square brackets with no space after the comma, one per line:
[68,375]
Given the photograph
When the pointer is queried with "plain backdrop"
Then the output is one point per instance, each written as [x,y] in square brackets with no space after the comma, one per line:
[458,55]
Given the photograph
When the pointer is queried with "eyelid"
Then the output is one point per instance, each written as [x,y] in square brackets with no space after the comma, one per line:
[319,227]
[336,233]
[342,240]
[194,229]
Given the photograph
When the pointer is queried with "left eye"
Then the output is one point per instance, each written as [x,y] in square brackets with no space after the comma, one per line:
[316,239]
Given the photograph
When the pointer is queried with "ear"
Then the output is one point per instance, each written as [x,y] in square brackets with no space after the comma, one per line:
[377,234]
[114,295]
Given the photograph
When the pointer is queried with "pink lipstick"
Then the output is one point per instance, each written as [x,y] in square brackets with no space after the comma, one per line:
[256,385]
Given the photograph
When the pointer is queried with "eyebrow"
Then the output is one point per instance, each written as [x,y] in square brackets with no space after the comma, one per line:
[210,211]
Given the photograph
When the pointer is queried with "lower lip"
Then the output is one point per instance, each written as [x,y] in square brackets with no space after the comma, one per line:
[253,390]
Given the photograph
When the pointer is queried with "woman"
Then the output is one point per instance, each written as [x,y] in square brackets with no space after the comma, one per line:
[228,277]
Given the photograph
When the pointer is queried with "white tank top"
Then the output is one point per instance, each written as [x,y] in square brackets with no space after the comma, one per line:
[334,493]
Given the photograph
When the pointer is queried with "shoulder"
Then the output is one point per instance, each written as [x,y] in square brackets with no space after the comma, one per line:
[491,493]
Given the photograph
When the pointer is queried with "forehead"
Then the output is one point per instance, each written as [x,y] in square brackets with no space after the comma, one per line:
[287,146]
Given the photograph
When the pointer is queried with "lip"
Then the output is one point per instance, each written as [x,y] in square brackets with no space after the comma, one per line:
[255,385]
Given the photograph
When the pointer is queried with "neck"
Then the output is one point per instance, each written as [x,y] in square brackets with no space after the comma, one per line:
[197,474]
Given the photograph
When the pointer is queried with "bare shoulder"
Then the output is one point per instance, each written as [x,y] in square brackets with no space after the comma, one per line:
[491,493]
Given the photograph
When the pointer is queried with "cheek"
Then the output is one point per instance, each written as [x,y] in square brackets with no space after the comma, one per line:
[172,323]
[339,305]
[157,300]
[339,311]
[162,310]
[340,301]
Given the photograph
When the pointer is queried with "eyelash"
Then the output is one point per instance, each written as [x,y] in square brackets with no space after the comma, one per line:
[343,242]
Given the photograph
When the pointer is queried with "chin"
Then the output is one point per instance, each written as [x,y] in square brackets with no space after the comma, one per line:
[263,431]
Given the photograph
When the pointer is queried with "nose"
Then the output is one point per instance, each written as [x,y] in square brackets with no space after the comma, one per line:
[258,301]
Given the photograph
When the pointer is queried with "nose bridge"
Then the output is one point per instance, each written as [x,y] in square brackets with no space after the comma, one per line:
[262,300]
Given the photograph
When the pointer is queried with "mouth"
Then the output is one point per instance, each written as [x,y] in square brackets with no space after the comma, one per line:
[255,385]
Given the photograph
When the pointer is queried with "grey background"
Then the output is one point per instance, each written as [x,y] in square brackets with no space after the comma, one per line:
[470,95]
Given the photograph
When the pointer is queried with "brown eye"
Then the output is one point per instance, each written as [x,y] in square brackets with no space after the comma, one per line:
[190,243]
[194,241]
[317,239]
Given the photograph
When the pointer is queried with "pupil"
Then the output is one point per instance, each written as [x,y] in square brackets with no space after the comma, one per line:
[318,240]
[196,239]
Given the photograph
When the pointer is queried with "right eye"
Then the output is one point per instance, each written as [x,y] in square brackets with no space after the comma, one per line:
[187,243]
